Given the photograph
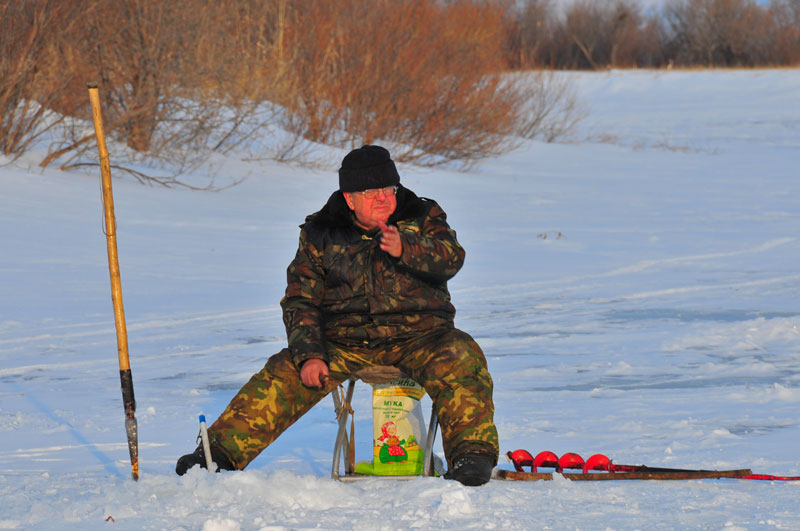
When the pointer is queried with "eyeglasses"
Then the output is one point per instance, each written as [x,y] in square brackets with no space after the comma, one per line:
[373,193]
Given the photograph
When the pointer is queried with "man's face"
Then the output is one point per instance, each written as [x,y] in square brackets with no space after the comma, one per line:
[372,207]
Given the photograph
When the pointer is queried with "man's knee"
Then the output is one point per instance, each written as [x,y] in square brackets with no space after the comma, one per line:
[456,354]
[281,364]
[274,391]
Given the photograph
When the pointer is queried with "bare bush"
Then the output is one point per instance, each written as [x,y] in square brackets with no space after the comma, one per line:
[130,47]
[181,80]
[249,66]
[551,110]
[165,83]
[27,59]
[417,75]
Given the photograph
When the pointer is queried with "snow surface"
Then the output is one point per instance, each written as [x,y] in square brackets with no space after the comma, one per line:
[636,294]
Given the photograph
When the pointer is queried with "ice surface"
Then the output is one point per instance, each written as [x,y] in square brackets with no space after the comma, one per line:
[635,294]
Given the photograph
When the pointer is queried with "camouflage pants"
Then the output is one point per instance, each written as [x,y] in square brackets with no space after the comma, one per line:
[447,362]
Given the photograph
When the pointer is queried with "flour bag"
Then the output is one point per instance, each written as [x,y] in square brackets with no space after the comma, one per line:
[398,430]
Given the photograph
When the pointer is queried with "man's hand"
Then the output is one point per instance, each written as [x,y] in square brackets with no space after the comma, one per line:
[313,372]
[390,240]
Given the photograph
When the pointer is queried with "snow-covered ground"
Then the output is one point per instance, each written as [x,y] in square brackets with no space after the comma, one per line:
[636,295]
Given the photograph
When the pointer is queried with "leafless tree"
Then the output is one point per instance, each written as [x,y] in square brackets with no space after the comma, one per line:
[786,17]
[720,32]
[536,22]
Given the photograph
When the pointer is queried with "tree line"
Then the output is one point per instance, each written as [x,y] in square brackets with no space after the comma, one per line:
[429,78]
[599,34]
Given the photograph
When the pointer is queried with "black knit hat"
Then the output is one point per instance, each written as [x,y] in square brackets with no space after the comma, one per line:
[367,167]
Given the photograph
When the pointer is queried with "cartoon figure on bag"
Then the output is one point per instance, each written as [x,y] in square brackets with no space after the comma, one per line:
[392,449]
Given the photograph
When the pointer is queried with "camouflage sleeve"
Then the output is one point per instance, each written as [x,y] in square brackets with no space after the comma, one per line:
[301,305]
[431,250]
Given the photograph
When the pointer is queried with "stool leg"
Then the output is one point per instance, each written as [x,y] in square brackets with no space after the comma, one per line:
[342,411]
[427,464]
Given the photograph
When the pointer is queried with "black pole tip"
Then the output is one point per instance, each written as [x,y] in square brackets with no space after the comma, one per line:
[91,85]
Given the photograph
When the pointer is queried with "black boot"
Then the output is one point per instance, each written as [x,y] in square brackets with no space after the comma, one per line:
[198,457]
[472,470]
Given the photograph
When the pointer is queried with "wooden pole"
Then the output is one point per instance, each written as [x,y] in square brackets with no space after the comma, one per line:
[126,379]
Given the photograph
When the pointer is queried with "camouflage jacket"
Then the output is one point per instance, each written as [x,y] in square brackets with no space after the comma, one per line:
[342,287]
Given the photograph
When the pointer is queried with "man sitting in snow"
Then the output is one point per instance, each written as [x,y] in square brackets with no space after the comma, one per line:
[368,286]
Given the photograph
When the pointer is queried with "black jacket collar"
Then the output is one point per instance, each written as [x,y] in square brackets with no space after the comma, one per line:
[336,213]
